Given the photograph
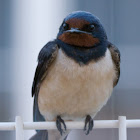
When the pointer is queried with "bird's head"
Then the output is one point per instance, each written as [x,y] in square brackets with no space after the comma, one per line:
[82,29]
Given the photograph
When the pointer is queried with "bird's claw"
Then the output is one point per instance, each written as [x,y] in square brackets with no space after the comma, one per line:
[88,124]
[59,122]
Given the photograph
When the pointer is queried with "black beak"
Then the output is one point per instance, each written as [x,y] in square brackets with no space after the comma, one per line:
[77,31]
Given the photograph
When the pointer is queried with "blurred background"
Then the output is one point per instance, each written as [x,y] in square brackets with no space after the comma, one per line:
[27,25]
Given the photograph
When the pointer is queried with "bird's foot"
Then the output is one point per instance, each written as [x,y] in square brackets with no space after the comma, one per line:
[89,123]
[59,122]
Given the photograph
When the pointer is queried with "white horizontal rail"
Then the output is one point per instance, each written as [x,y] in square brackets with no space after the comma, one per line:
[19,126]
[99,124]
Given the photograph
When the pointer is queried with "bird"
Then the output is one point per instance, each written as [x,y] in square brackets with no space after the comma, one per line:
[75,75]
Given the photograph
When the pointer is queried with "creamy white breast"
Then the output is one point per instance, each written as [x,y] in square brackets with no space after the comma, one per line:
[74,91]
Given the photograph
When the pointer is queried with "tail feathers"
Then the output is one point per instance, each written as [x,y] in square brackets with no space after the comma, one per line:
[49,135]
[40,135]
[55,135]
[66,137]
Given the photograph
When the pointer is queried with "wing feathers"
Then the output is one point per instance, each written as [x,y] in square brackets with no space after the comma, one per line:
[115,53]
[46,56]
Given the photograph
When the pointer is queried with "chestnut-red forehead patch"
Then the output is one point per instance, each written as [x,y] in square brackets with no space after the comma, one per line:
[77,23]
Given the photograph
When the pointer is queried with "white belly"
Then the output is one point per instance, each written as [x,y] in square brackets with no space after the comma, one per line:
[74,91]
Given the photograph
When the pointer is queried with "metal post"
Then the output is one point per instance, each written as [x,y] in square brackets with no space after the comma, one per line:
[122,128]
[19,128]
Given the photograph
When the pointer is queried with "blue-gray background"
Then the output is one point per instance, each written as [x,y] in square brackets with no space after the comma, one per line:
[26,25]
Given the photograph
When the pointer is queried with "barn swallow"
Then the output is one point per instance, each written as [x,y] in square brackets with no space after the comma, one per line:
[75,75]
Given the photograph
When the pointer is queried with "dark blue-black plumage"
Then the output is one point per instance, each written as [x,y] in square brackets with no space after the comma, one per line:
[83,55]
[83,15]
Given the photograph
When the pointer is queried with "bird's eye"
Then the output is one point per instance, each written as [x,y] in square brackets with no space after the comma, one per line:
[91,27]
[65,26]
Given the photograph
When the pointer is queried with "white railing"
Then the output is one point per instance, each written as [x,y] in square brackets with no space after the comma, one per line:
[19,126]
